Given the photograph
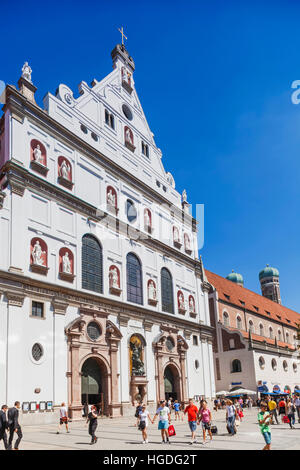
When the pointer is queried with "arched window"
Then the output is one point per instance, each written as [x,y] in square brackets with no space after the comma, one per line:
[167,302]
[251,326]
[287,338]
[274,364]
[279,335]
[239,323]
[92,265]
[134,279]
[226,319]
[271,332]
[261,329]
[236,366]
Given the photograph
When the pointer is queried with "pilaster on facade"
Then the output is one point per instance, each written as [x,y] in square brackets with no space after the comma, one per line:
[15,298]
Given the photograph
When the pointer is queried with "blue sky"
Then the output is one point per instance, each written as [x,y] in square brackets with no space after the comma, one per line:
[214,79]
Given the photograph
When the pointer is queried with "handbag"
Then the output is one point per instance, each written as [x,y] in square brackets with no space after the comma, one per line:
[237,422]
[214,430]
[171,430]
[285,419]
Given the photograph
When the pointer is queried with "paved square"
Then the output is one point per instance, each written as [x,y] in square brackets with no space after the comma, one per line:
[121,434]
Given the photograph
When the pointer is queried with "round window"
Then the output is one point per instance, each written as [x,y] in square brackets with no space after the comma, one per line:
[127,112]
[93,331]
[131,211]
[170,343]
[196,364]
[37,352]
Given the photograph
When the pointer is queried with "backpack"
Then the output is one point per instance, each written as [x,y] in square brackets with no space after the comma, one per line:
[137,411]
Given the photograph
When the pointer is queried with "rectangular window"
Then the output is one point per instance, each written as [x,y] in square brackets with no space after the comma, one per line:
[195,340]
[145,149]
[37,309]
[109,119]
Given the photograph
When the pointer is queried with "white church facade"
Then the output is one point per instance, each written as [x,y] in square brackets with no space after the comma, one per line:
[103,298]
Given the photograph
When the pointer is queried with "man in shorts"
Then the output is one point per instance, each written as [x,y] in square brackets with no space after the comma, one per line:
[164,421]
[264,419]
[192,412]
[63,418]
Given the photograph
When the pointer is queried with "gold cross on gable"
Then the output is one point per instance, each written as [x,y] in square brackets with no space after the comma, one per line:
[123,35]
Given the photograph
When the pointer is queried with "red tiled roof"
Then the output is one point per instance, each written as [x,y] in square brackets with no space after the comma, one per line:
[261,339]
[235,294]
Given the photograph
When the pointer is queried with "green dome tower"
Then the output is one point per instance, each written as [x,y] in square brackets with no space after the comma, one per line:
[269,282]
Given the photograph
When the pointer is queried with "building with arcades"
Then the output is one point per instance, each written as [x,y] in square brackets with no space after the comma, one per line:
[103,298]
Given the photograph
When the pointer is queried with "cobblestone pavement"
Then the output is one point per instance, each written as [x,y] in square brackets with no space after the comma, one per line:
[120,433]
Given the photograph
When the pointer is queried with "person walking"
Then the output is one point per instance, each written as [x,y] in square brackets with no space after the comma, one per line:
[14,426]
[144,416]
[164,421]
[231,415]
[273,411]
[204,416]
[290,413]
[281,408]
[264,419]
[177,410]
[137,412]
[192,412]
[3,425]
[92,419]
[63,418]
[297,405]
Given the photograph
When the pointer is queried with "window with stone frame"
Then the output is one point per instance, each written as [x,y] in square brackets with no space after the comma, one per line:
[134,279]
[236,366]
[239,323]
[92,264]
[109,119]
[37,309]
[167,300]
[145,149]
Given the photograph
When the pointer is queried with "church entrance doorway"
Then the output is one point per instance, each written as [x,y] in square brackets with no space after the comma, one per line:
[171,381]
[93,384]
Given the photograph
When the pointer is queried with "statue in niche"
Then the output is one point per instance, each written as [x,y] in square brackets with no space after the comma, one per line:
[151,291]
[66,262]
[26,72]
[137,364]
[111,198]
[147,219]
[65,170]
[191,305]
[128,136]
[126,76]
[181,301]
[187,242]
[184,196]
[114,277]
[176,235]
[37,154]
[37,254]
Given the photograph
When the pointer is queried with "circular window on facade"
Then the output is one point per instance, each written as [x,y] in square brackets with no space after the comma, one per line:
[37,352]
[170,343]
[295,367]
[285,366]
[131,211]
[93,331]
[261,362]
[127,112]
[274,364]
[197,364]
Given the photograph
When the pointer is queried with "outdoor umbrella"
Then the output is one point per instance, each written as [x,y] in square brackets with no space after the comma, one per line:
[242,391]
[222,392]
